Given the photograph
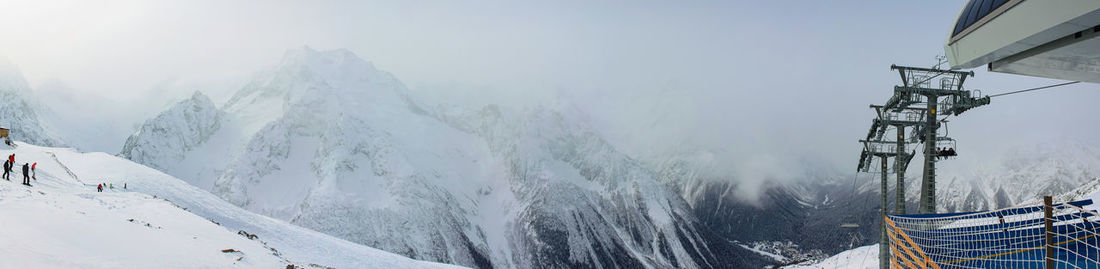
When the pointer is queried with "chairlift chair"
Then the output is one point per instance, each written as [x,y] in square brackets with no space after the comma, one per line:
[947,143]
[853,232]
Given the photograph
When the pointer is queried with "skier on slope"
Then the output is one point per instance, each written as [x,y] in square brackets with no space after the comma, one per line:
[7,169]
[33,173]
[26,174]
[99,188]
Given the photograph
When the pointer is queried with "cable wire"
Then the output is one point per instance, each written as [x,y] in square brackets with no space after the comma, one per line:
[1036,89]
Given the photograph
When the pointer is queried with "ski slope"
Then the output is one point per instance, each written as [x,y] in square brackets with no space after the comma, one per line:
[157,222]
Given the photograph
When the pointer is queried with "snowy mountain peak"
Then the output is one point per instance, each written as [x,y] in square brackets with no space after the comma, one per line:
[321,61]
[319,79]
[163,140]
[198,97]
[307,54]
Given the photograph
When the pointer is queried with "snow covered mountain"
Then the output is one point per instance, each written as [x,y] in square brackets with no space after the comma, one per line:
[19,109]
[326,141]
[1046,169]
[156,221]
[188,124]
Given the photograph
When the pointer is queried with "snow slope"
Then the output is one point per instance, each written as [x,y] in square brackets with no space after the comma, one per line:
[864,257]
[158,221]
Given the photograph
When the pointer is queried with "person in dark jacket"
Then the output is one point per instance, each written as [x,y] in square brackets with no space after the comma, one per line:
[26,174]
[7,169]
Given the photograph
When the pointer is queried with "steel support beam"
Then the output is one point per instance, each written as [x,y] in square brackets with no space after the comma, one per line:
[928,180]
[900,122]
[883,245]
[899,207]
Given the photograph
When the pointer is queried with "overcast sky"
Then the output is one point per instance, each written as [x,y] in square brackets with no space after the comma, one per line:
[766,84]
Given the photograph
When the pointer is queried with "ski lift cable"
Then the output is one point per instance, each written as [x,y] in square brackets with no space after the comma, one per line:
[1035,89]
[852,195]
[1021,91]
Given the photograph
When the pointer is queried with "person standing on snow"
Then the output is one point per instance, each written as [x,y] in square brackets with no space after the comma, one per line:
[33,173]
[7,169]
[99,188]
[26,174]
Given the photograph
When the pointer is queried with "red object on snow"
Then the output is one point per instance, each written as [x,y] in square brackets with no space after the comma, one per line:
[33,165]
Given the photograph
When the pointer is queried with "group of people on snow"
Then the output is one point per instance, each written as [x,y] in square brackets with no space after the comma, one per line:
[99,188]
[945,152]
[29,173]
[28,170]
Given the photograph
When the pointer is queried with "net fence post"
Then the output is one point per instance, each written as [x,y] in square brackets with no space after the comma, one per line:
[1048,227]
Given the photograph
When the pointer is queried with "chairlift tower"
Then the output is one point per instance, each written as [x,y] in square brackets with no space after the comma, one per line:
[941,93]
[921,104]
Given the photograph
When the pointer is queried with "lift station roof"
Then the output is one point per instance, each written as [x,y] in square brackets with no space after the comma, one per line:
[1045,38]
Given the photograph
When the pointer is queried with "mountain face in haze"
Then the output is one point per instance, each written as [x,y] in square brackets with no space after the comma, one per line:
[182,127]
[19,110]
[1024,173]
[806,213]
[328,142]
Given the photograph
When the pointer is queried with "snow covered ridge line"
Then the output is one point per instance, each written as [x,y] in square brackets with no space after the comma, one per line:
[62,222]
